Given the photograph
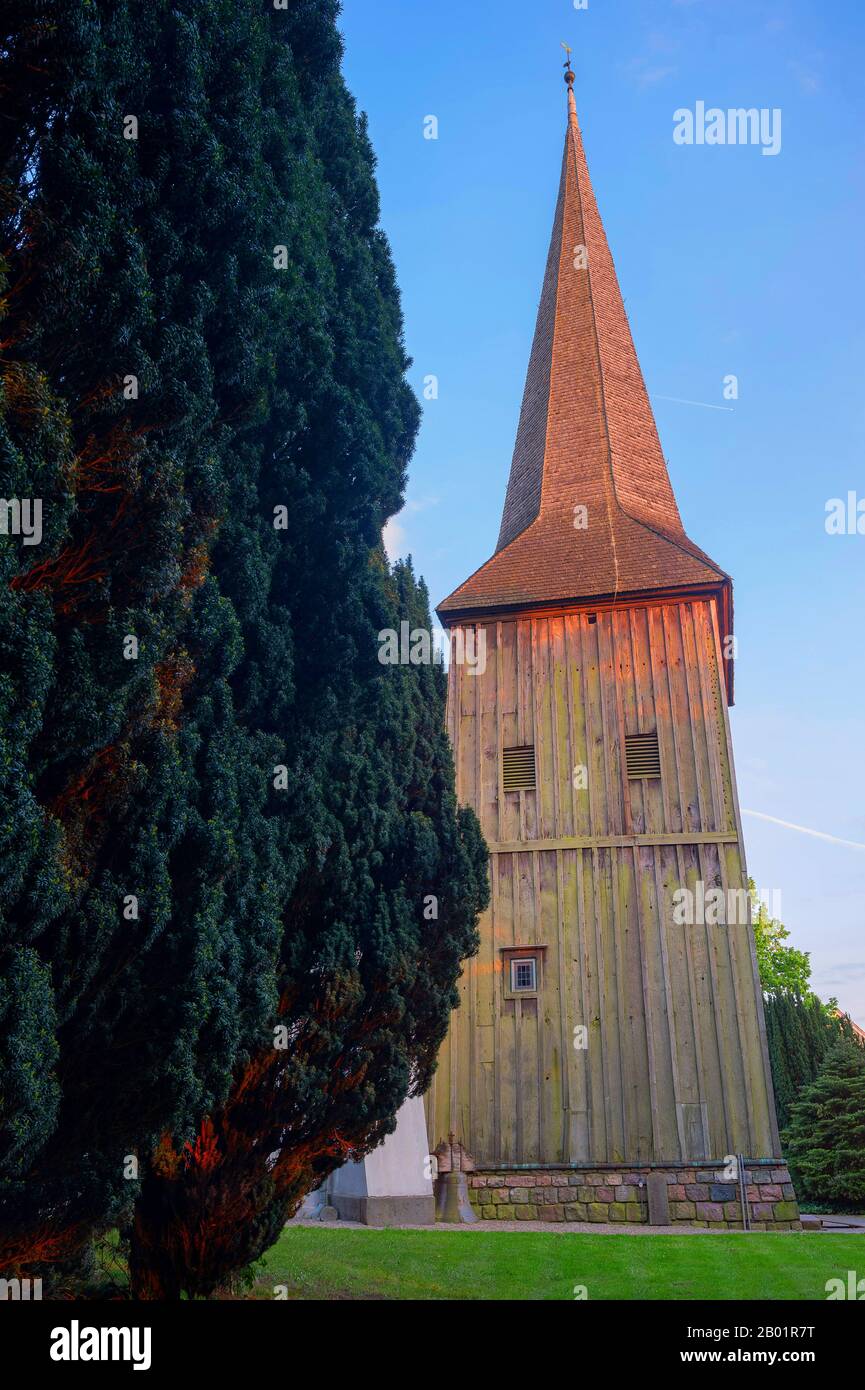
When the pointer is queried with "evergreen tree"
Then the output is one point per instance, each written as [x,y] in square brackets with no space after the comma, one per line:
[370,958]
[799,1033]
[825,1140]
[207,809]
[799,1028]
[107,416]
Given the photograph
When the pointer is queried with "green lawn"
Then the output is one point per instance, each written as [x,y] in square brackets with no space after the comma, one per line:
[330,1263]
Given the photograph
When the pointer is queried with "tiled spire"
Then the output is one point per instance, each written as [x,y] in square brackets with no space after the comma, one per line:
[586,439]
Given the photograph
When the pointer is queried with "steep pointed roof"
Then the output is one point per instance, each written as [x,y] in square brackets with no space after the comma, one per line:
[586,438]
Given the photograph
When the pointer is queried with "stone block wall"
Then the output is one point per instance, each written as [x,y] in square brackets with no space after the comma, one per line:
[698,1196]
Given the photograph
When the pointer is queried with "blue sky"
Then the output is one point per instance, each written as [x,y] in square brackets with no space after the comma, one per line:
[730,262]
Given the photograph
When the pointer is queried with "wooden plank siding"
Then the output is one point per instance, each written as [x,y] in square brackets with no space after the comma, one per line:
[676,1067]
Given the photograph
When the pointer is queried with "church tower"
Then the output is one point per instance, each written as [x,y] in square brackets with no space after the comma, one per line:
[611,1033]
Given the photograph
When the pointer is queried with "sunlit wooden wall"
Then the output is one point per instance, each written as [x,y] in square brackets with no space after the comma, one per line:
[676,1065]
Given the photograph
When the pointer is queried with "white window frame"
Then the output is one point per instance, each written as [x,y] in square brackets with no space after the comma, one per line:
[532,988]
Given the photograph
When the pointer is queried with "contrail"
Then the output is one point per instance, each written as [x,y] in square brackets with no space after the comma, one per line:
[704,404]
[804,829]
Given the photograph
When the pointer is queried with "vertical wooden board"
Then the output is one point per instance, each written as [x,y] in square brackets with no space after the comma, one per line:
[637,1076]
[496,939]
[552,1062]
[630,714]
[739,933]
[484,1025]
[468,738]
[511,1133]
[707,1050]
[482,1143]
[611,716]
[694,659]
[658,1008]
[578,748]
[573,1011]
[656,820]
[724,1002]
[678,981]
[683,718]
[713,727]
[525,675]
[667,748]
[596,760]
[485,970]
[508,682]
[505,926]
[460,1120]
[489,756]
[612,1023]
[530,819]
[469,1058]
[506,666]
[544,750]
[716,1020]
[564,806]
[452,721]
[714,695]
[529,1080]
[597,1066]
[526,924]
[665,635]
[506,929]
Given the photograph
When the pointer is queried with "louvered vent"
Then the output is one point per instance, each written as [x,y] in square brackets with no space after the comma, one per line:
[518,768]
[642,756]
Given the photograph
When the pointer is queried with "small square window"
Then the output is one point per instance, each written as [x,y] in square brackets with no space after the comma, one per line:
[523,970]
[524,974]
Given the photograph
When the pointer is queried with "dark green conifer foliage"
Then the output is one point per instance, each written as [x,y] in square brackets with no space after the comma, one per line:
[825,1140]
[371,953]
[153,777]
[800,1031]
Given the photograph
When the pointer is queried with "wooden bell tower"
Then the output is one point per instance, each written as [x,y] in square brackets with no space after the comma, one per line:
[591,736]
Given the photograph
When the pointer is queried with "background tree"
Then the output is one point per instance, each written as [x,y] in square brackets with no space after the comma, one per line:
[800,1028]
[782,968]
[825,1140]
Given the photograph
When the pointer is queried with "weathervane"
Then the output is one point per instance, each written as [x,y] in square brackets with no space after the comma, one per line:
[569,73]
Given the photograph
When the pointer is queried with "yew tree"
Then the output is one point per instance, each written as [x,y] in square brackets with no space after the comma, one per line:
[221,814]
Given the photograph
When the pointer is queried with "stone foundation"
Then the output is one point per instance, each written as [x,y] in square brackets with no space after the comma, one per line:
[698,1195]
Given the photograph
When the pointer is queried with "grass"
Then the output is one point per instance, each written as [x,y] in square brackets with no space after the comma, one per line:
[329,1264]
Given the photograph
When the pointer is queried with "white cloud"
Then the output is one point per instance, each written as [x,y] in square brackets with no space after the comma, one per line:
[395,533]
[394,538]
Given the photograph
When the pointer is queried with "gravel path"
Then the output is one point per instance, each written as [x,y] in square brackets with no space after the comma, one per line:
[576,1228]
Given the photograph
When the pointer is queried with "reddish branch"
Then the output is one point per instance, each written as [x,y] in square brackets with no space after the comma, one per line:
[173,675]
[205,1206]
